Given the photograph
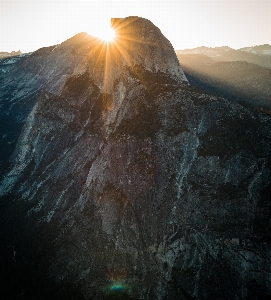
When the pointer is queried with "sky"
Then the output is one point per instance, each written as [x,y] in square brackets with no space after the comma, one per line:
[28,25]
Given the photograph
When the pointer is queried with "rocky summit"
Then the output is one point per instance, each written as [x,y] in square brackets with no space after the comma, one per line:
[121,181]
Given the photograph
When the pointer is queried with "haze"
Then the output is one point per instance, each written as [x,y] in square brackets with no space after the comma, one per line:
[28,25]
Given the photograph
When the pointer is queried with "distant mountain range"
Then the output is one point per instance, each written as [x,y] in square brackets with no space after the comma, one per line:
[260,50]
[242,75]
[259,55]
[9,54]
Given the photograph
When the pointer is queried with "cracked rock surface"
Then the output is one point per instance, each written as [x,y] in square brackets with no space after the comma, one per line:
[134,185]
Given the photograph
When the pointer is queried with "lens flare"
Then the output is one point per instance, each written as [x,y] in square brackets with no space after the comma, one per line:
[117,287]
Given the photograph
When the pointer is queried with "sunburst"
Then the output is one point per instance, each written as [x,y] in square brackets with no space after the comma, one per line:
[114,47]
[107,34]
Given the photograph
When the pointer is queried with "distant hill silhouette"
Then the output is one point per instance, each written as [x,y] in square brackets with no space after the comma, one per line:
[259,55]
[9,54]
[261,49]
[239,75]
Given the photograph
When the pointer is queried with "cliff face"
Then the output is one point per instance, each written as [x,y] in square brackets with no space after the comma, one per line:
[137,186]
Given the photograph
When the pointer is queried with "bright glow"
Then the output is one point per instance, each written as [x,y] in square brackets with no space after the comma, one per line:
[107,34]
[186,23]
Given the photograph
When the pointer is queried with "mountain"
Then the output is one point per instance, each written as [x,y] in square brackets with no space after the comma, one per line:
[126,182]
[260,50]
[9,54]
[234,74]
[258,55]
[209,51]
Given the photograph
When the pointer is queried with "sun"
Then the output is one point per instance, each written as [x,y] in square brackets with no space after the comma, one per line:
[107,34]
[102,29]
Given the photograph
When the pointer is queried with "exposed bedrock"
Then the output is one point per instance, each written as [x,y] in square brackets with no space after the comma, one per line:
[138,187]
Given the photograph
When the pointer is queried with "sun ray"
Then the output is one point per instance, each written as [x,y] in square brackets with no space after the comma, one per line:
[105,56]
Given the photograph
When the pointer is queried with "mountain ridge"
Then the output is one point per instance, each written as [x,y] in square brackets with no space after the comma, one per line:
[225,53]
[238,75]
[146,189]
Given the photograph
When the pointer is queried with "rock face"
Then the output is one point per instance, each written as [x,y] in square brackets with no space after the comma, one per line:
[126,183]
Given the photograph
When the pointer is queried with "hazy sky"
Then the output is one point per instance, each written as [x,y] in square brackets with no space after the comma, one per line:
[28,25]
